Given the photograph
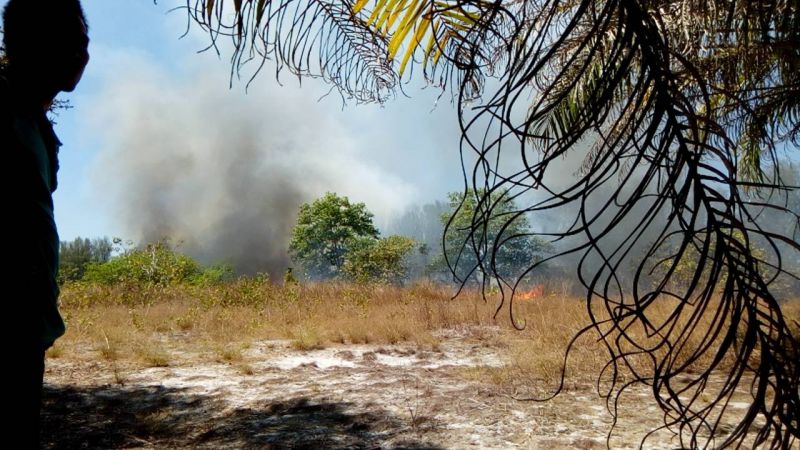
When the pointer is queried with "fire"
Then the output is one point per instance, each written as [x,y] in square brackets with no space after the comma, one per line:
[535,292]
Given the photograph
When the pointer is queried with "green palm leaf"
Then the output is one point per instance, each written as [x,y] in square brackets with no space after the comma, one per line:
[424,26]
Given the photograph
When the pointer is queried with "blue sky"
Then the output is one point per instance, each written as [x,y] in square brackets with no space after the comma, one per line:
[154,122]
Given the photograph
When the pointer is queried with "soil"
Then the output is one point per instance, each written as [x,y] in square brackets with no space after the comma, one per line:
[342,396]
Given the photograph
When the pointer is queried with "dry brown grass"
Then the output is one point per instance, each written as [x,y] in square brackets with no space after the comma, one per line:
[113,318]
[146,325]
[791,311]
[536,354]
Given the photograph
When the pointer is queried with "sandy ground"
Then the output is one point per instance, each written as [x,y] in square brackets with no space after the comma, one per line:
[348,396]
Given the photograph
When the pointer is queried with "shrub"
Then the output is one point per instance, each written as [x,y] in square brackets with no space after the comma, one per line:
[379,260]
[157,264]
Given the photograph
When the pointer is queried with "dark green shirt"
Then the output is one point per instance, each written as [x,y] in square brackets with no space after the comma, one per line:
[30,150]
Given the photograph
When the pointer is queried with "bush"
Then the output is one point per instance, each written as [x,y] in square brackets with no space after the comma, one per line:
[213,274]
[156,264]
[379,260]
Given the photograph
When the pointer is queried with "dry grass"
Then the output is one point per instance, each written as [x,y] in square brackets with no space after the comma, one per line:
[536,354]
[792,312]
[115,319]
[145,325]
[152,354]
[56,351]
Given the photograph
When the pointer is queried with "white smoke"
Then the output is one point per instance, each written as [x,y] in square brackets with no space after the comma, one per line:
[224,171]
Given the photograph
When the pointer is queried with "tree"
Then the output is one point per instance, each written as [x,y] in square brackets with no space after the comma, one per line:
[505,248]
[379,260]
[76,255]
[687,103]
[685,268]
[157,263]
[325,231]
[424,224]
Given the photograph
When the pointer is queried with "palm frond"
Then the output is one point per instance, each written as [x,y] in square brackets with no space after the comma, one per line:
[424,26]
[667,165]
[316,38]
[687,103]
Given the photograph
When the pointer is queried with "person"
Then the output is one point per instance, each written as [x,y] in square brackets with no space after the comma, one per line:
[46,51]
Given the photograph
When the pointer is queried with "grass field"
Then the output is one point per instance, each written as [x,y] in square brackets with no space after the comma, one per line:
[320,335]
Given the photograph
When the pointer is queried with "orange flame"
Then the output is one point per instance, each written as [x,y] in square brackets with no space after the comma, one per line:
[533,293]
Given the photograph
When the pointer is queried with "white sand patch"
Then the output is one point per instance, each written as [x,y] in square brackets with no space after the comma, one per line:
[354,356]
[320,360]
[741,405]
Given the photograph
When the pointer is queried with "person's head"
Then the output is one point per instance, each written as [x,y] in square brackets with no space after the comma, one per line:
[47,41]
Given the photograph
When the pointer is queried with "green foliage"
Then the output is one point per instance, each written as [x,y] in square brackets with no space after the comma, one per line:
[288,277]
[469,245]
[155,264]
[378,260]
[325,230]
[687,265]
[423,223]
[213,274]
[76,255]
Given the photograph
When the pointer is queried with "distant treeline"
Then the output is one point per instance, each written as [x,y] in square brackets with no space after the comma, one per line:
[335,238]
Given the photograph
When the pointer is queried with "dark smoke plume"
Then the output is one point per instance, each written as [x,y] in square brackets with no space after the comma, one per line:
[223,172]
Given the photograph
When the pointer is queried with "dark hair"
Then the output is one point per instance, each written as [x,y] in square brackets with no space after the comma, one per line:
[26,21]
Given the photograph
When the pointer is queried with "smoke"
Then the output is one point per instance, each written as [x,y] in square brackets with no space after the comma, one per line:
[223,172]
[554,213]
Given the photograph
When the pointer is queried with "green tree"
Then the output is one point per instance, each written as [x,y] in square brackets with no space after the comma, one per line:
[685,268]
[505,248]
[326,229]
[379,260]
[154,264]
[77,254]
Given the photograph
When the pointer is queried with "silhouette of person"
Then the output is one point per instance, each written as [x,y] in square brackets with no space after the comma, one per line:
[46,49]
